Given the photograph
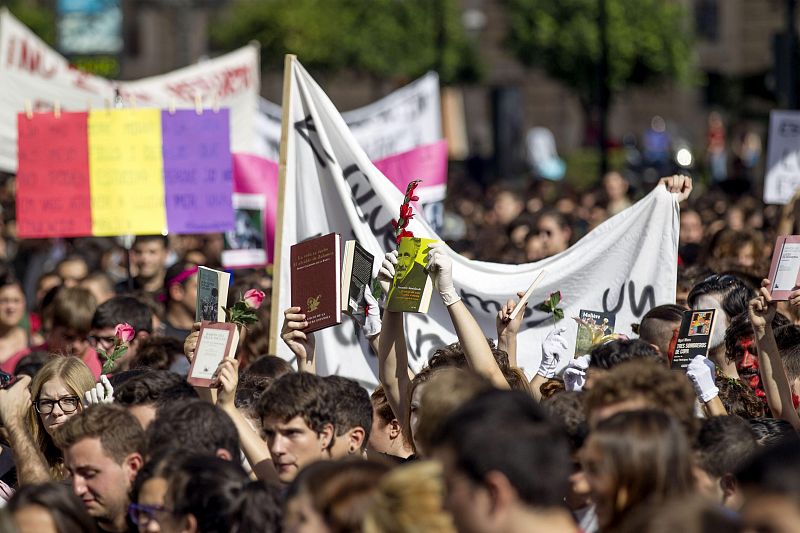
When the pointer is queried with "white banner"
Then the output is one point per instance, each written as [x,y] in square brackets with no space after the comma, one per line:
[405,119]
[782,178]
[627,265]
[32,72]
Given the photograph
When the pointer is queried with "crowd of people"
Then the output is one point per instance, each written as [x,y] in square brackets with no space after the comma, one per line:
[613,441]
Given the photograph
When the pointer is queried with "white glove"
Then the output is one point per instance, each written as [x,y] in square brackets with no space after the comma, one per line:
[103,392]
[386,273]
[701,373]
[554,348]
[441,267]
[372,323]
[575,374]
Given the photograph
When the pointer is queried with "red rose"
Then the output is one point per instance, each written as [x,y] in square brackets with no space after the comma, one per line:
[253,298]
[124,332]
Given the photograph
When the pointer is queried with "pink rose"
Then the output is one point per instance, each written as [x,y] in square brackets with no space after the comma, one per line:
[253,298]
[124,332]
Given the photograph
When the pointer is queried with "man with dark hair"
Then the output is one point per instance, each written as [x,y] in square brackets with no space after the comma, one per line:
[724,445]
[489,448]
[103,448]
[180,289]
[613,353]
[352,416]
[298,422]
[659,325]
[120,310]
[144,394]
[148,259]
[771,488]
[161,353]
[638,385]
[195,426]
[728,296]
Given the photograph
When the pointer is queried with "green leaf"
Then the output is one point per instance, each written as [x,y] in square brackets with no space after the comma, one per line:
[558,313]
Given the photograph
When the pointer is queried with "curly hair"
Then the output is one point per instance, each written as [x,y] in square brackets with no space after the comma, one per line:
[738,398]
[298,394]
[657,385]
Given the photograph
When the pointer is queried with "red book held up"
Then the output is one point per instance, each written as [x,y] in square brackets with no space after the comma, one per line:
[317,280]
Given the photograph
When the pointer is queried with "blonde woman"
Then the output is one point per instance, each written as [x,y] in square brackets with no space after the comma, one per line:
[32,415]
[410,500]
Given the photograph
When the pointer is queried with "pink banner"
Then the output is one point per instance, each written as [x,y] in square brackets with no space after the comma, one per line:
[258,176]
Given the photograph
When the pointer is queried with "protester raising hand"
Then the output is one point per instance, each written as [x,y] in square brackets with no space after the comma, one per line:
[440,267]
[301,344]
[226,379]
[770,367]
[103,392]
[387,270]
[508,329]
[679,184]
[190,344]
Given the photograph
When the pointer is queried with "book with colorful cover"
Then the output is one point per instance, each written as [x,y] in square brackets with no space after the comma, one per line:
[356,280]
[412,286]
[316,280]
[694,337]
[212,294]
[593,327]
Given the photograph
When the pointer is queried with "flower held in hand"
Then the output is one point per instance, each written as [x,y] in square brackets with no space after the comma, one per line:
[253,298]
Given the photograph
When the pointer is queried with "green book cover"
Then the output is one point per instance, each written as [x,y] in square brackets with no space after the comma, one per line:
[412,287]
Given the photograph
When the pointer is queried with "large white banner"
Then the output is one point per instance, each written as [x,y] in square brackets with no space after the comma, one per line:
[33,73]
[627,265]
[782,179]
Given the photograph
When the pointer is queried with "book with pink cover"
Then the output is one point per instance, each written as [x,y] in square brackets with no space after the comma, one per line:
[784,273]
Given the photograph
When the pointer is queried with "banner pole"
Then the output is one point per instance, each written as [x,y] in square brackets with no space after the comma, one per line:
[275,311]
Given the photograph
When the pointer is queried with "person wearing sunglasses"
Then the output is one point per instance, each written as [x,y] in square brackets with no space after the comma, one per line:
[33,416]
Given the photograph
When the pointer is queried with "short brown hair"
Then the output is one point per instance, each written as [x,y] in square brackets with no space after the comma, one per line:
[660,387]
[119,432]
[298,394]
[73,308]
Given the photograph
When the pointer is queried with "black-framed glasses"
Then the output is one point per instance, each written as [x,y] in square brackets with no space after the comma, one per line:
[95,341]
[141,515]
[67,404]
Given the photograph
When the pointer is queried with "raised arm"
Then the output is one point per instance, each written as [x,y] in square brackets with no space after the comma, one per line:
[255,449]
[770,366]
[473,342]
[392,354]
[508,329]
[15,403]
[301,344]
[702,374]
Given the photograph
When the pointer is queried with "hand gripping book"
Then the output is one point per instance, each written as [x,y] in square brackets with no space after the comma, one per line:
[356,280]
[694,336]
[784,273]
[593,328]
[217,340]
[411,287]
[316,280]
[212,294]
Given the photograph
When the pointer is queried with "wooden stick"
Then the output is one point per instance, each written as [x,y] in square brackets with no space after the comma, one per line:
[522,301]
[286,118]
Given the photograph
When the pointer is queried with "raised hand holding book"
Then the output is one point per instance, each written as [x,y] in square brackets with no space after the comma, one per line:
[212,294]
[784,272]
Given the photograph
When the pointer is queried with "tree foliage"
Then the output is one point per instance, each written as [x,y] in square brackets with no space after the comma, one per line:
[648,41]
[383,38]
[40,20]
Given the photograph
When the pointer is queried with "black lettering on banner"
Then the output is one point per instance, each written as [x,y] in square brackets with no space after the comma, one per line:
[305,128]
[618,306]
[355,178]
[638,308]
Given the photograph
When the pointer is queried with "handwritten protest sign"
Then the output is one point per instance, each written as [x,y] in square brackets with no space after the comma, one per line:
[125,169]
[197,171]
[782,178]
[53,176]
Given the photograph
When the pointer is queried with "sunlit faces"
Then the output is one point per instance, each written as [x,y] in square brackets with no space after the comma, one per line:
[600,481]
[149,258]
[712,301]
[293,445]
[67,341]
[413,419]
[34,519]
[12,305]
[100,482]
[56,404]
[153,514]
[301,517]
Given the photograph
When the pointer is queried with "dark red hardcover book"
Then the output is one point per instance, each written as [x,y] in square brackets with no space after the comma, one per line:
[317,280]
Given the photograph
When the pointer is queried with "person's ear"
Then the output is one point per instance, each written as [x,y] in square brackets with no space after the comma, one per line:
[395,429]
[501,492]
[140,335]
[357,437]
[222,453]
[326,436]
[189,524]
[728,485]
[132,464]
